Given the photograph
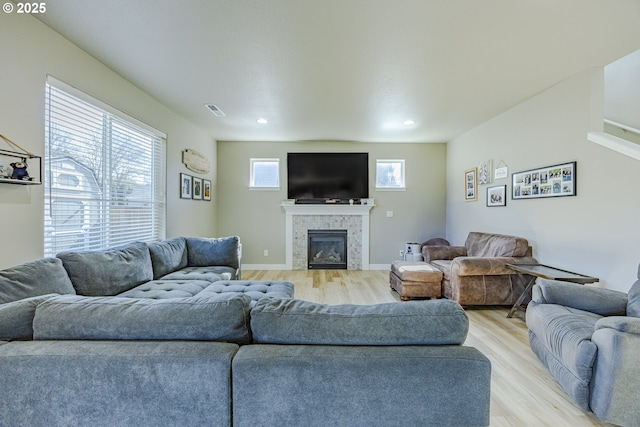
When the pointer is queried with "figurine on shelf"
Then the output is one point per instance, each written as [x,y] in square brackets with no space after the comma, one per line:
[20,170]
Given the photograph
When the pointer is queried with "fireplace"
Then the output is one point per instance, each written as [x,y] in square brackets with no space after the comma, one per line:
[299,219]
[327,249]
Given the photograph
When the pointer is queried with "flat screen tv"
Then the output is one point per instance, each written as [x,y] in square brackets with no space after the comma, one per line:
[316,177]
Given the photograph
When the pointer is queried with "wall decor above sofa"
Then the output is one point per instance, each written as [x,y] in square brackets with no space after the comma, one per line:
[497,196]
[195,188]
[485,169]
[13,165]
[550,181]
[186,184]
[471,185]
[195,161]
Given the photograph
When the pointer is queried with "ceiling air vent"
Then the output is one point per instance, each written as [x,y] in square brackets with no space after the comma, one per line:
[215,110]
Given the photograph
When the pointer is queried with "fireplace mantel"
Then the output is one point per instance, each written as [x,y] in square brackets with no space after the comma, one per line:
[326,209]
[363,211]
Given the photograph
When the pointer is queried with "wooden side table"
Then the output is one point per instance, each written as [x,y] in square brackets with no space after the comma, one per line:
[545,272]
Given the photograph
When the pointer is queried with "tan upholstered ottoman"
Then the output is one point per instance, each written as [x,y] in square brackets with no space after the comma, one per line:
[413,279]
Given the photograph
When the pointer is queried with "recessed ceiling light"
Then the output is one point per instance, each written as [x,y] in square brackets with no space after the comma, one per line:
[409,122]
[262,121]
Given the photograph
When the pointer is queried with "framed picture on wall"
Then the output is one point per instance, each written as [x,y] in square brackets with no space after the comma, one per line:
[497,196]
[185,186]
[549,181]
[485,169]
[197,188]
[471,185]
[206,189]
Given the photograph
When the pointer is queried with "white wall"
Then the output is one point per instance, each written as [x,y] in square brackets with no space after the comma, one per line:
[622,90]
[596,232]
[29,52]
[256,215]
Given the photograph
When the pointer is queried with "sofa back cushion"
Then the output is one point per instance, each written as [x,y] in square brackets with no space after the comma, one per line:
[16,318]
[168,256]
[205,252]
[291,321]
[110,271]
[633,301]
[39,277]
[495,245]
[222,317]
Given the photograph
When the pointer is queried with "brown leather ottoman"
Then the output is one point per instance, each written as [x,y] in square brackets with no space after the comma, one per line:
[413,279]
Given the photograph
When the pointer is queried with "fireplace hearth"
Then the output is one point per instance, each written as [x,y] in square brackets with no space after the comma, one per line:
[327,249]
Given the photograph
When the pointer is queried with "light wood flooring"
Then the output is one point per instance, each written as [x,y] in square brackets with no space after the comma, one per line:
[522,392]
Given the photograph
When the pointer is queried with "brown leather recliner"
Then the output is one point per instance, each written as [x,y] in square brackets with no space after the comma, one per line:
[476,273]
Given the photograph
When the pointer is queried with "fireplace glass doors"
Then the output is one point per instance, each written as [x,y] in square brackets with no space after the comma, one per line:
[327,249]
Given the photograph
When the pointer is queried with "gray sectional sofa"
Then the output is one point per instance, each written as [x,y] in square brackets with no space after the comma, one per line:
[223,352]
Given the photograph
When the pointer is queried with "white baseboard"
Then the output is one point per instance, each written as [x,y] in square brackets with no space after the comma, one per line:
[379,266]
[264,267]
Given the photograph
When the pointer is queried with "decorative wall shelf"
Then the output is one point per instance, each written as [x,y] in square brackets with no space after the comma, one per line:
[34,166]
[18,181]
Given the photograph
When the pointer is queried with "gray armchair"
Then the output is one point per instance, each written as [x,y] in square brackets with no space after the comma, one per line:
[589,340]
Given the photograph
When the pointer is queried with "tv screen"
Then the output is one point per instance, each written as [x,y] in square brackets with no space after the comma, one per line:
[319,176]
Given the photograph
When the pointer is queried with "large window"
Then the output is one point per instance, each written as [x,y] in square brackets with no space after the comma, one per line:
[104,178]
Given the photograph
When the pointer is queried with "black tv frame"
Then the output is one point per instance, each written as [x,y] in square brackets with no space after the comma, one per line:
[327,177]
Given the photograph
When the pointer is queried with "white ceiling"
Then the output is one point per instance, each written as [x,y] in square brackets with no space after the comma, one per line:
[347,69]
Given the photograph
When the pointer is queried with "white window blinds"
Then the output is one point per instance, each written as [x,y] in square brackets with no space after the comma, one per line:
[390,174]
[104,178]
[265,173]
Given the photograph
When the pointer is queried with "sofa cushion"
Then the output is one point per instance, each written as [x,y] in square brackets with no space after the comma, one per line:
[443,265]
[16,317]
[209,318]
[478,266]
[33,278]
[203,252]
[360,386]
[495,245]
[210,274]
[566,333]
[163,289]
[633,301]
[110,271]
[602,301]
[116,384]
[290,321]
[255,289]
[168,256]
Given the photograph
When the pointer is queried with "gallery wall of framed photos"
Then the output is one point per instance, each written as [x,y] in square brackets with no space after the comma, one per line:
[194,188]
[558,180]
[550,181]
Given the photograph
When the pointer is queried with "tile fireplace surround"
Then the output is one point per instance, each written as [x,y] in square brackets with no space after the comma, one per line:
[353,218]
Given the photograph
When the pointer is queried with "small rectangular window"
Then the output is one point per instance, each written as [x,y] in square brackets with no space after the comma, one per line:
[390,174]
[265,173]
